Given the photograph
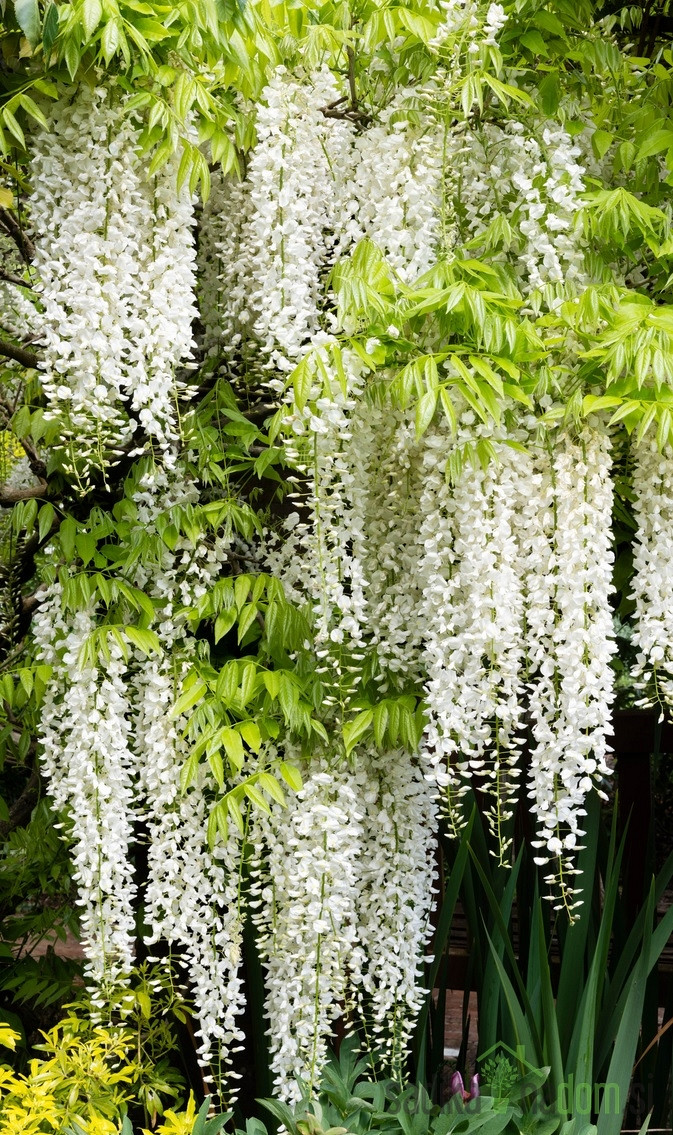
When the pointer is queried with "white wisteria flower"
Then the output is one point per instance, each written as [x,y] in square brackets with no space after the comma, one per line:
[473,647]
[116,267]
[90,768]
[306,894]
[567,549]
[652,587]
[396,891]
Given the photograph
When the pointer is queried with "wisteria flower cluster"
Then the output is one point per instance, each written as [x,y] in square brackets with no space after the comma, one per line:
[473,649]
[90,767]
[286,241]
[481,584]
[538,183]
[113,754]
[343,891]
[652,582]
[116,263]
[354,550]
[570,639]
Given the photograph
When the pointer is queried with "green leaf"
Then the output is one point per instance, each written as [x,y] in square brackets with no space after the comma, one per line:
[13,126]
[144,1003]
[425,411]
[49,28]
[66,535]
[200,1121]
[224,622]
[626,1041]
[591,403]
[110,41]
[31,108]
[271,785]
[183,94]
[291,775]
[27,14]
[250,732]
[92,13]
[72,58]
[188,771]
[549,1013]
[85,542]
[380,722]
[233,746]
[354,731]
[246,619]
[217,767]
[302,381]
[189,698]
[601,142]
[26,680]
[549,93]
[45,519]
[534,42]
[253,793]
[519,1020]
[655,143]
[241,590]
[146,641]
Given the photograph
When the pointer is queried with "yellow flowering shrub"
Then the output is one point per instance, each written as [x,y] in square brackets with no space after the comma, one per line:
[81,1087]
[176,1124]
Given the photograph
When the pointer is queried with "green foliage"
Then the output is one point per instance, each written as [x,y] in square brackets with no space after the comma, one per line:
[180,62]
[352,1101]
[581,1017]
[463,334]
[92,1077]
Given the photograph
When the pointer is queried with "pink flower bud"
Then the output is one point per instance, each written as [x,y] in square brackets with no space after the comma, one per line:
[456,1085]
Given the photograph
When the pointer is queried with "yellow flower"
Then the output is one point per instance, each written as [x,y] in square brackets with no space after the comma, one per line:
[8,1037]
[174,1124]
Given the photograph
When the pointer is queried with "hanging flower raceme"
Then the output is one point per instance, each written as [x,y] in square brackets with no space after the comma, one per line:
[295,181]
[392,479]
[91,768]
[306,863]
[319,558]
[473,649]
[538,182]
[567,549]
[468,21]
[221,262]
[394,193]
[84,214]
[116,267]
[159,332]
[192,895]
[114,753]
[652,586]
[395,897]
[342,892]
